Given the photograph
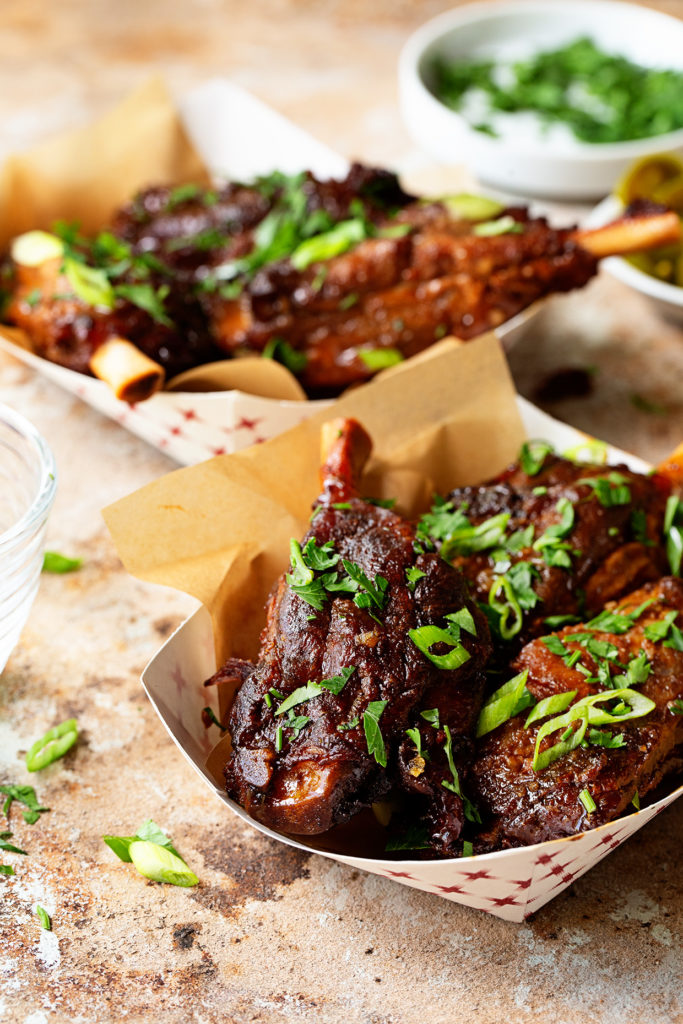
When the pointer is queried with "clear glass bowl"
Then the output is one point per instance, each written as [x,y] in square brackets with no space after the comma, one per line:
[28,482]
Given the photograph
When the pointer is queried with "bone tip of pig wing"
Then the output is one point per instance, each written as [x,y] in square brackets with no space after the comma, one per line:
[131,375]
[631,234]
[345,448]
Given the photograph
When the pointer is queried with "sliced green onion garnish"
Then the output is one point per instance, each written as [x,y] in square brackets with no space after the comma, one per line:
[532,456]
[507,608]
[424,637]
[585,709]
[44,918]
[36,247]
[589,452]
[506,702]
[467,848]
[159,864]
[506,225]
[550,706]
[471,207]
[53,745]
[328,244]
[380,358]
[587,801]
[56,563]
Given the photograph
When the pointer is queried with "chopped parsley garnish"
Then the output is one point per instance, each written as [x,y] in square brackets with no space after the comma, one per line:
[299,696]
[414,735]
[657,631]
[677,707]
[414,838]
[373,733]
[282,352]
[431,716]
[456,533]
[639,527]
[600,96]
[181,194]
[673,533]
[25,795]
[471,812]
[555,551]
[602,738]
[348,725]
[610,490]
[147,298]
[532,456]
[337,683]
[413,574]
[9,847]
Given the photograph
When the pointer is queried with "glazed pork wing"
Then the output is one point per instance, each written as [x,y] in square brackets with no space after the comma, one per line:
[634,654]
[560,539]
[430,278]
[318,718]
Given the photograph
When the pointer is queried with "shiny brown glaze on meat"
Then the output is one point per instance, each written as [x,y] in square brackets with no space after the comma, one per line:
[325,773]
[611,552]
[521,806]
[401,293]
[66,330]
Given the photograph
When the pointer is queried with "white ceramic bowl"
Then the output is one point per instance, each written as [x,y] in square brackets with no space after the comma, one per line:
[27,490]
[666,298]
[523,159]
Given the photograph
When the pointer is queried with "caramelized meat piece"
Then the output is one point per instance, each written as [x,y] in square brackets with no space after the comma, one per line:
[637,648]
[401,293]
[67,328]
[317,721]
[339,278]
[563,540]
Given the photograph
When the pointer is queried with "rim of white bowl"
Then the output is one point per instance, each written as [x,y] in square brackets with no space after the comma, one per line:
[488,10]
[39,508]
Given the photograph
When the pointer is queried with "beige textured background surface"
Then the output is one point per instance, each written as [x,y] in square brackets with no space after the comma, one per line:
[270,934]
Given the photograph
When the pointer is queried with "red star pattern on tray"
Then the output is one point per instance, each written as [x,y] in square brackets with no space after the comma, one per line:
[244,423]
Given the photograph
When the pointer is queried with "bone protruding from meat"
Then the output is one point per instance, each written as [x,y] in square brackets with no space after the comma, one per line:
[345,449]
[631,234]
[131,375]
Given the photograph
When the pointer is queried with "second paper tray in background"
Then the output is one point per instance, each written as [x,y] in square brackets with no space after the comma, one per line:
[238,137]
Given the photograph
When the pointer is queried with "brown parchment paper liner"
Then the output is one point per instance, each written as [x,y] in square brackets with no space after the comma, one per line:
[220,531]
[86,174]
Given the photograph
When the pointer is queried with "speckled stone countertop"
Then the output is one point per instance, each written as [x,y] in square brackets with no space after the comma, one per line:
[272,934]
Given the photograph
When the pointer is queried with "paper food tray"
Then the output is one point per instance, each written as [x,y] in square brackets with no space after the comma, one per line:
[238,137]
[511,884]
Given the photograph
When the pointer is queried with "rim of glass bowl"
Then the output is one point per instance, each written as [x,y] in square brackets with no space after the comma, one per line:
[40,506]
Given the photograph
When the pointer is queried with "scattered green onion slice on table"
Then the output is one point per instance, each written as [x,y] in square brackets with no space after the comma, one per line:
[54,562]
[44,918]
[158,863]
[53,745]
